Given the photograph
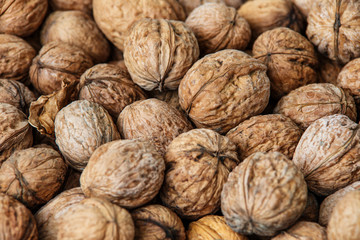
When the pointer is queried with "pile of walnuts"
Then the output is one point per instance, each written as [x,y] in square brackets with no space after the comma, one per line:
[180,119]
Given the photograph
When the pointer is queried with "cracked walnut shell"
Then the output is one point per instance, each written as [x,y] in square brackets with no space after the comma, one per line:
[303,230]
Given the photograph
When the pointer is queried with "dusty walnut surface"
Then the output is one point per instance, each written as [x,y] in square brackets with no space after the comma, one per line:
[348,78]
[190,5]
[304,6]
[311,212]
[303,230]
[81,5]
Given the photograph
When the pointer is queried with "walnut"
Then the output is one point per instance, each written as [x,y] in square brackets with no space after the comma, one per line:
[303,230]
[21,17]
[78,29]
[82,5]
[223,89]
[159,52]
[311,212]
[290,58]
[348,78]
[57,63]
[333,28]
[328,154]
[16,222]
[218,27]
[266,133]
[328,70]
[170,97]
[234,3]
[72,180]
[304,6]
[115,17]
[278,205]
[190,5]
[198,163]
[152,120]
[155,222]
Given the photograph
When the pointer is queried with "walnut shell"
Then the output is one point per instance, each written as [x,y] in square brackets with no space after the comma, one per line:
[234,3]
[304,6]
[311,212]
[16,222]
[190,5]
[223,89]
[303,230]
[328,70]
[170,97]
[81,5]
[72,180]
[80,128]
[155,222]
[278,205]
[290,58]
[348,78]
[328,154]
[159,52]
[115,17]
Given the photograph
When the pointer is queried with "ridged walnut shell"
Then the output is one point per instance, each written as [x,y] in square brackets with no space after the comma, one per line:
[190,5]
[198,163]
[328,154]
[81,5]
[159,52]
[348,78]
[303,230]
[80,128]
[266,193]
[223,89]
[304,6]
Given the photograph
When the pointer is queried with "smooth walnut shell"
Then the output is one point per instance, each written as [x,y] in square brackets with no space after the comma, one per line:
[159,52]
[290,58]
[328,154]
[328,70]
[80,128]
[190,5]
[303,230]
[333,27]
[155,222]
[223,89]
[115,17]
[311,212]
[218,27]
[170,97]
[304,6]
[348,78]
[278,205]
[266,133]
[81,5]
[16,222]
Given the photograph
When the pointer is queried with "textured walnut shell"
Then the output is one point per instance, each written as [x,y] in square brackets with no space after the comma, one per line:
[152,120]
[223,89]
[57,63]
[348,78]
[170,97]
[97,219]
[334,29]
[159,52]
[155,222]
[314,101]
[311,212]
[81,5]
[304,6]
[266,133]
[303,230]
[290,58]
[190,5]
[21,17]
[218,27]
[278,205]
[80,128]
[16,222]
[328,154]
[78,29]
[115,17]
[328,70]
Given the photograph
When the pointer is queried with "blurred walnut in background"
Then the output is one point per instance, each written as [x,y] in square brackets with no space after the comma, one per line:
[304,6]
[81,5]
[348,78]
[190,5]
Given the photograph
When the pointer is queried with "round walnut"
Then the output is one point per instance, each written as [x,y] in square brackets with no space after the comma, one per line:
[223,89]
[349,77]
[290,58]
[81,5]
[198,163]
[159,52]
[333,27]
[57,63]
[218,27]
[155,222]
[311,212]
[266,133]
[304,6]
[328,154]
[328,70]
[16,222]
[190,5]
[303,230]
[33,175]
[115,17]
[80,128]
[277,206]
[128,173]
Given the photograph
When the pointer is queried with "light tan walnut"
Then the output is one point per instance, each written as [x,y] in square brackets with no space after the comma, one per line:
[303,230]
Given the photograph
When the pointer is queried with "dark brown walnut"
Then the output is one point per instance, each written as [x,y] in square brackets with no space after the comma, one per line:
[16,222]
[115,17]
[190,5]
[155,222]
[328,154]
[304,6]
[152,120]
[110,86]
[82,5]
[218,27]
[223,89]
[348,78]
[128,173]
[21,17]
[334,29]
[303,230]
[311,212]
[158,53]
[80,128]
[76,28]
[170,97]
[97,219]
[72,180]
[306,104]
[234,3]
[290,58]
[198,163]
[277,206]
[266,133]
[33,175]
[328,70]
[58,63]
